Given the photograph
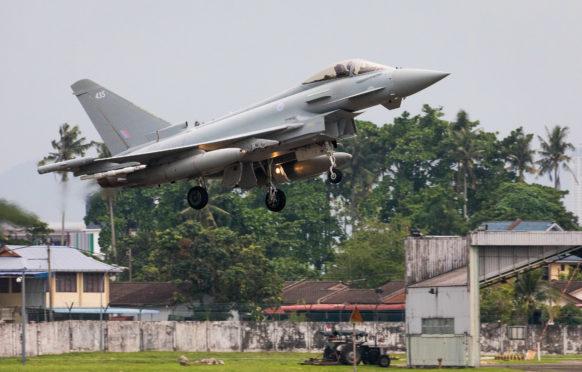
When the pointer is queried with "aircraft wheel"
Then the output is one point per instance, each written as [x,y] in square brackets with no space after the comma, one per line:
[197,197]
[336,177]
[276,203]
[384,361]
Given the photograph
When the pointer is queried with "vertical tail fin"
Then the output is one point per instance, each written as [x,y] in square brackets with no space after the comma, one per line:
[120,123]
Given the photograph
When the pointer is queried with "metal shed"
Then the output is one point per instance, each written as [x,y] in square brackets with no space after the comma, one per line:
[443,277]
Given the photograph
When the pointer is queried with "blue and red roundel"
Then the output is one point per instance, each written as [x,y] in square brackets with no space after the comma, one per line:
[280,106]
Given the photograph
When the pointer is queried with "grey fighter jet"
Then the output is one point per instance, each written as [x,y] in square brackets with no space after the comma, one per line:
[288,137]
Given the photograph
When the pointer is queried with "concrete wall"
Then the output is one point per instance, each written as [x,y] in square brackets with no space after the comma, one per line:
[83,335]
[557,340]
[80,335]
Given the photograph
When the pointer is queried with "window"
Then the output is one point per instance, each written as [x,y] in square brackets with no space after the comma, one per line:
[517,333]
[66,282]
[562,267]
[93,282]
[438,326]
[16,286]
[4,285]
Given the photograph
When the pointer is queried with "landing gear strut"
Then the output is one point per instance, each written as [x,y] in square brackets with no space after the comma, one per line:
[275,199]
[333,175]
[197,197]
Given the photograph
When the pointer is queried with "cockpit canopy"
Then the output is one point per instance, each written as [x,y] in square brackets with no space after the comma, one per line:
[343,69]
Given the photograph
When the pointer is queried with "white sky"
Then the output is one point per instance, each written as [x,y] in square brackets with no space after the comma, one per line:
[512,63]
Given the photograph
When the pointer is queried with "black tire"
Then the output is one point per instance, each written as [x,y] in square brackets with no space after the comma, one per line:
[347,356]
[278,202]
[197,197]
[338,176]
[384,361]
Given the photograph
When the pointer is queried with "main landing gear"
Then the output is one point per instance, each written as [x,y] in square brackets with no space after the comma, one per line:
[275,200]
[198,196]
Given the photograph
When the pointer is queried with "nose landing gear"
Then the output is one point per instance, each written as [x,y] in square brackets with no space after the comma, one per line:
[334,176]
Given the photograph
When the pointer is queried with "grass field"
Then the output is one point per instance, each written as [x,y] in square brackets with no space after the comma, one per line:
[168,361]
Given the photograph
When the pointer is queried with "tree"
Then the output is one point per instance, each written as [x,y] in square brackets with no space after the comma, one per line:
[108,194]
[415,149]
[37,230]
[553,153]
[69,145]
[497,304]
[363,171]
[215,262]
[526,202]
[465,151]
[373,255]
[435,211]
[569,314]
[529,292]
[519,152]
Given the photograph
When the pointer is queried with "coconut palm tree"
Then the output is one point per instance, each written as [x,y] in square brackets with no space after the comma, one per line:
[531,291]
[553,153]
[69,145]
[520,153]
[108,194]
[465,151]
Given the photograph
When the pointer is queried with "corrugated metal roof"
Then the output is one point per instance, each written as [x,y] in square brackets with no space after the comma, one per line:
[353,296]
[143,294]
[519,225]
[310,292]
[453,278]
[562,239]
[390,288]
[34,258]
[569,259]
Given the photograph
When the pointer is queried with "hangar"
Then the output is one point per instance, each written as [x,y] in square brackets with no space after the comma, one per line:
[443,278]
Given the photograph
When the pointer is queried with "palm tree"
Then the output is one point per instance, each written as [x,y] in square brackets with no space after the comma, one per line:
[466,151]
[108,194]
[69,145]
[520,153]
[530,291]
[206,215]
[553,152]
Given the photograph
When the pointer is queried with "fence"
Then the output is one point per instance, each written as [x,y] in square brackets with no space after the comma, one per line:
[125,336]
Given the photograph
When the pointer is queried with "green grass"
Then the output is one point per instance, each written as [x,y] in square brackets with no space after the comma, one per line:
[168,361]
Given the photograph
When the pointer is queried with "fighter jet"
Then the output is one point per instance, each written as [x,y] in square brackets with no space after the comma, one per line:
[287,137]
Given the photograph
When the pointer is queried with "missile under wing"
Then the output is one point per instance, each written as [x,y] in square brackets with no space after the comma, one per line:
[288,137]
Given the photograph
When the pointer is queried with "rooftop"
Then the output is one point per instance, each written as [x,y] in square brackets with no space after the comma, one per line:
[16,258]
[453,278]
[519,225]
[143,294]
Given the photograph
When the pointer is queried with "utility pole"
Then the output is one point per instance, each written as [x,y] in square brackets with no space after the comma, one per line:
[49,281]
[130,265]
[23,316]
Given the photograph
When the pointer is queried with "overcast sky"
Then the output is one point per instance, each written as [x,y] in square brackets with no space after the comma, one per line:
[512,63]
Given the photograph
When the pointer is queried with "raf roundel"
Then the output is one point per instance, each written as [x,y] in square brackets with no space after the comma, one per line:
[280,106]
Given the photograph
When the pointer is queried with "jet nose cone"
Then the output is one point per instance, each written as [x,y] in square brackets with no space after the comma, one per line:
[408,81]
